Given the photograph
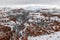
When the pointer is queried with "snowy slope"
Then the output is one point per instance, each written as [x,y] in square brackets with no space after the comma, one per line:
[54,36]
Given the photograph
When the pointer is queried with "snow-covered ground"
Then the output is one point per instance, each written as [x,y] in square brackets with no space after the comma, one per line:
[53,36]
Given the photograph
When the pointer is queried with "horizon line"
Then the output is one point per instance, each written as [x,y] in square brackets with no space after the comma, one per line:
[29,5]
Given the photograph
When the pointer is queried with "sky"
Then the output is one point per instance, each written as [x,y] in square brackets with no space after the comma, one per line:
[19,2]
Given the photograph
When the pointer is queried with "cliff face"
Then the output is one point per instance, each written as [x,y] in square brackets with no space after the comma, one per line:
[22,23]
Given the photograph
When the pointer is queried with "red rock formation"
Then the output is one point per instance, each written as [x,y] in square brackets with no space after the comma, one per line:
[14,36]
[24,37]
[4,36]
[5,28]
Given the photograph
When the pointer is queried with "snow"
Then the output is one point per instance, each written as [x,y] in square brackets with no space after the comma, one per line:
[26,24]
[53,36]
[56,13]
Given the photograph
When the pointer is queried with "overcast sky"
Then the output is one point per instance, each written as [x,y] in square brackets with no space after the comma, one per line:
[17,2]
